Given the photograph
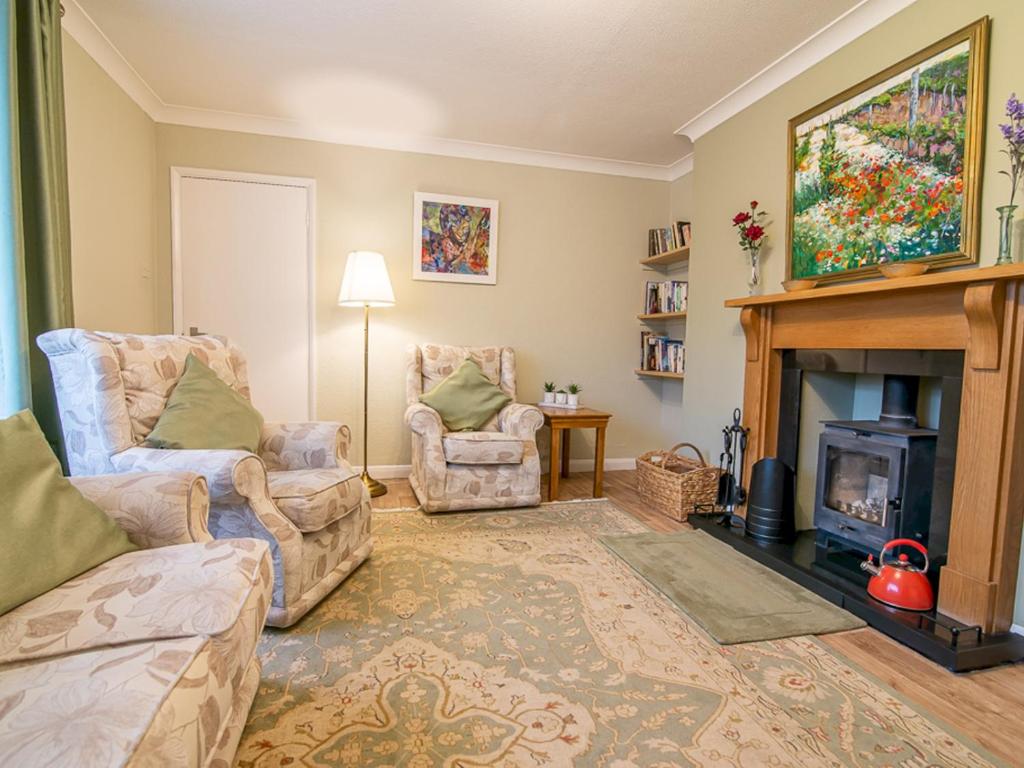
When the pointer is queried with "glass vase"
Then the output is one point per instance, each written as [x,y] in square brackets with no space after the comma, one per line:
[754,281]
[1005,234]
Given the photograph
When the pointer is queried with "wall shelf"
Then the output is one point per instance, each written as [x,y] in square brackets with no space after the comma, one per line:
[658,374]
[656,316]
[677,256]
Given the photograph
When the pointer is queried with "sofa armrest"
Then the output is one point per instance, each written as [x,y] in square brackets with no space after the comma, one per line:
[155,509]
[220,468]
[424,421]
[304,445]
[520,420]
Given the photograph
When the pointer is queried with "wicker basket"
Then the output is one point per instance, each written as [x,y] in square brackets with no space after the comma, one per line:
[673,484]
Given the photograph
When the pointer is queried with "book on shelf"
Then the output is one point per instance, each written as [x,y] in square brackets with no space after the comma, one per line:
[661,353]
[665,296]
[664,239]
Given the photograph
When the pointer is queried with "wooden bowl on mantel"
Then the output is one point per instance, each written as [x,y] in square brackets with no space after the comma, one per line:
[903,268]
[804,284]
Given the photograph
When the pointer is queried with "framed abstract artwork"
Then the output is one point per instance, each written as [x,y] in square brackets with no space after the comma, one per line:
[890,169]
[455,239]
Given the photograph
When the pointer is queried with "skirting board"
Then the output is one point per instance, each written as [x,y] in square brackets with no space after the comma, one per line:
[1017,629]
[393,471]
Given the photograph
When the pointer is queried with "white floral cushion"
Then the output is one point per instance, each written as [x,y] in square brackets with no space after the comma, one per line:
[91,708]
[314,498]
[152,594]
[146,660]
[482,448]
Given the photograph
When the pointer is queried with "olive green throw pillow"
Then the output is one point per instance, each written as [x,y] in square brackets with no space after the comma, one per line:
[49,532]
[204,413]
[466,399]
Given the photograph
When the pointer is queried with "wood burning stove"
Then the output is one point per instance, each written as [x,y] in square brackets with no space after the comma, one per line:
[875,478]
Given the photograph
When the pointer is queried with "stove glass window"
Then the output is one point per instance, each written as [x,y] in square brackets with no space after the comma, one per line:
[857,484]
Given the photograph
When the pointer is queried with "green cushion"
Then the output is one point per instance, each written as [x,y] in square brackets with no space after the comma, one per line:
[204,413]
[49,532]
[466,399]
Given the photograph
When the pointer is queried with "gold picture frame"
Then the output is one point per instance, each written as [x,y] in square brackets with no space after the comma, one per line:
[848,158]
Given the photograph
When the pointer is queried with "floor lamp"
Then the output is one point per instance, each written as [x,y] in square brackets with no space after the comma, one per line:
[366,284]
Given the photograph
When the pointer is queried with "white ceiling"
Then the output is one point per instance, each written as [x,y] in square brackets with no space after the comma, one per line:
[610,79]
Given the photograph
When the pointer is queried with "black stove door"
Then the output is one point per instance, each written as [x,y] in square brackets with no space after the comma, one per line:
[860,482]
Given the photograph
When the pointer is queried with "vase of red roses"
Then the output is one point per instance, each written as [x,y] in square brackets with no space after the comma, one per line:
[749,225]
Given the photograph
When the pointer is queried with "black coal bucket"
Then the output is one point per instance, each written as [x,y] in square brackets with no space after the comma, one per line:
[770,503]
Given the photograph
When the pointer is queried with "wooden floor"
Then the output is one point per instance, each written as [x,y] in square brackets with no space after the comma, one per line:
[986,706]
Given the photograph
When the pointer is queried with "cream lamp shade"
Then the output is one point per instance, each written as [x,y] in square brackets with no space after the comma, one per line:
[366,282]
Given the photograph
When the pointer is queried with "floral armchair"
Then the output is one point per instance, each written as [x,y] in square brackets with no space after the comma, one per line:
[496,467]
[299,494]
[148,659]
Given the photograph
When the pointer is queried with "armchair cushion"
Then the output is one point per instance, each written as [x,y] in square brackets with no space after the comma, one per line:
[482,448]
[204,413]
[467,399]
[312,499]
[189,589]
[49,531]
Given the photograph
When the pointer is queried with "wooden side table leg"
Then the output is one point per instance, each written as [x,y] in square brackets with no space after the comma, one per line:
[556,442]
[565,451]
[599,464]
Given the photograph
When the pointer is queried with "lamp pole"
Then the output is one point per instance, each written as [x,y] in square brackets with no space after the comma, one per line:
[375,487]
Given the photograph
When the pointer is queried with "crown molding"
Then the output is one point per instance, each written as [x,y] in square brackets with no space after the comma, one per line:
[863,17]
[680,167]
[87,33]
[427,145]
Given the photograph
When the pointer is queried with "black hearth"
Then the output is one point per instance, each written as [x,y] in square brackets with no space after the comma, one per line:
[875,477]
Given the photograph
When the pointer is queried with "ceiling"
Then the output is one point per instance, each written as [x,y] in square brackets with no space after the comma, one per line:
[609,79]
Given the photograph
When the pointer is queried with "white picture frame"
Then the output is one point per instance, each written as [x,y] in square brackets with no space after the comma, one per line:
[443,236]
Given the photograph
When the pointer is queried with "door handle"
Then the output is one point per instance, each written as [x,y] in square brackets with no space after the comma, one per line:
[194,331]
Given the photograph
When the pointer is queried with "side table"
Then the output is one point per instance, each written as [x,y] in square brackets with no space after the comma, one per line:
[562,421]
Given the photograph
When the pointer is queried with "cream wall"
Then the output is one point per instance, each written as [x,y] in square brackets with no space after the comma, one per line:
[745,158]
[568,289]
[111,167]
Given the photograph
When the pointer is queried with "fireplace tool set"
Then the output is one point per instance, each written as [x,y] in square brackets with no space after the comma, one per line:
[730,466]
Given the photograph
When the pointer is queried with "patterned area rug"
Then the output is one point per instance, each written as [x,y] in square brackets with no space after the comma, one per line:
[517,639]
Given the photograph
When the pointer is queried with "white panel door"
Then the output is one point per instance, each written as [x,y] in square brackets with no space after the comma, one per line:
[242,269]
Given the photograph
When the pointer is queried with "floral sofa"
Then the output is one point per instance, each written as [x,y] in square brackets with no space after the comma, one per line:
[148,659]
[299,494]
[498,466]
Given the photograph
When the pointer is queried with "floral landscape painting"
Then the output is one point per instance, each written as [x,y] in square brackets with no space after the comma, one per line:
[455,239]
[880,176]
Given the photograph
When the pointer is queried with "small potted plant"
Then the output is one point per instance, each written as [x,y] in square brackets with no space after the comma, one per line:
[561,396]
[549,392]
[573,394]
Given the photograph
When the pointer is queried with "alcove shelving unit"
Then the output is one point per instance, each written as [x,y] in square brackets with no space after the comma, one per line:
[664,263]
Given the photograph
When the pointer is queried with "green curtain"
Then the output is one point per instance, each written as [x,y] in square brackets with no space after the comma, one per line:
[41,269]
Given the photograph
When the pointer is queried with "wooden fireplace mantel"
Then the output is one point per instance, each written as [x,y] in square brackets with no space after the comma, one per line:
[979,311]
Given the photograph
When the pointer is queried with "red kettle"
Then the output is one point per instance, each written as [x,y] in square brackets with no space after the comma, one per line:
[899,583]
